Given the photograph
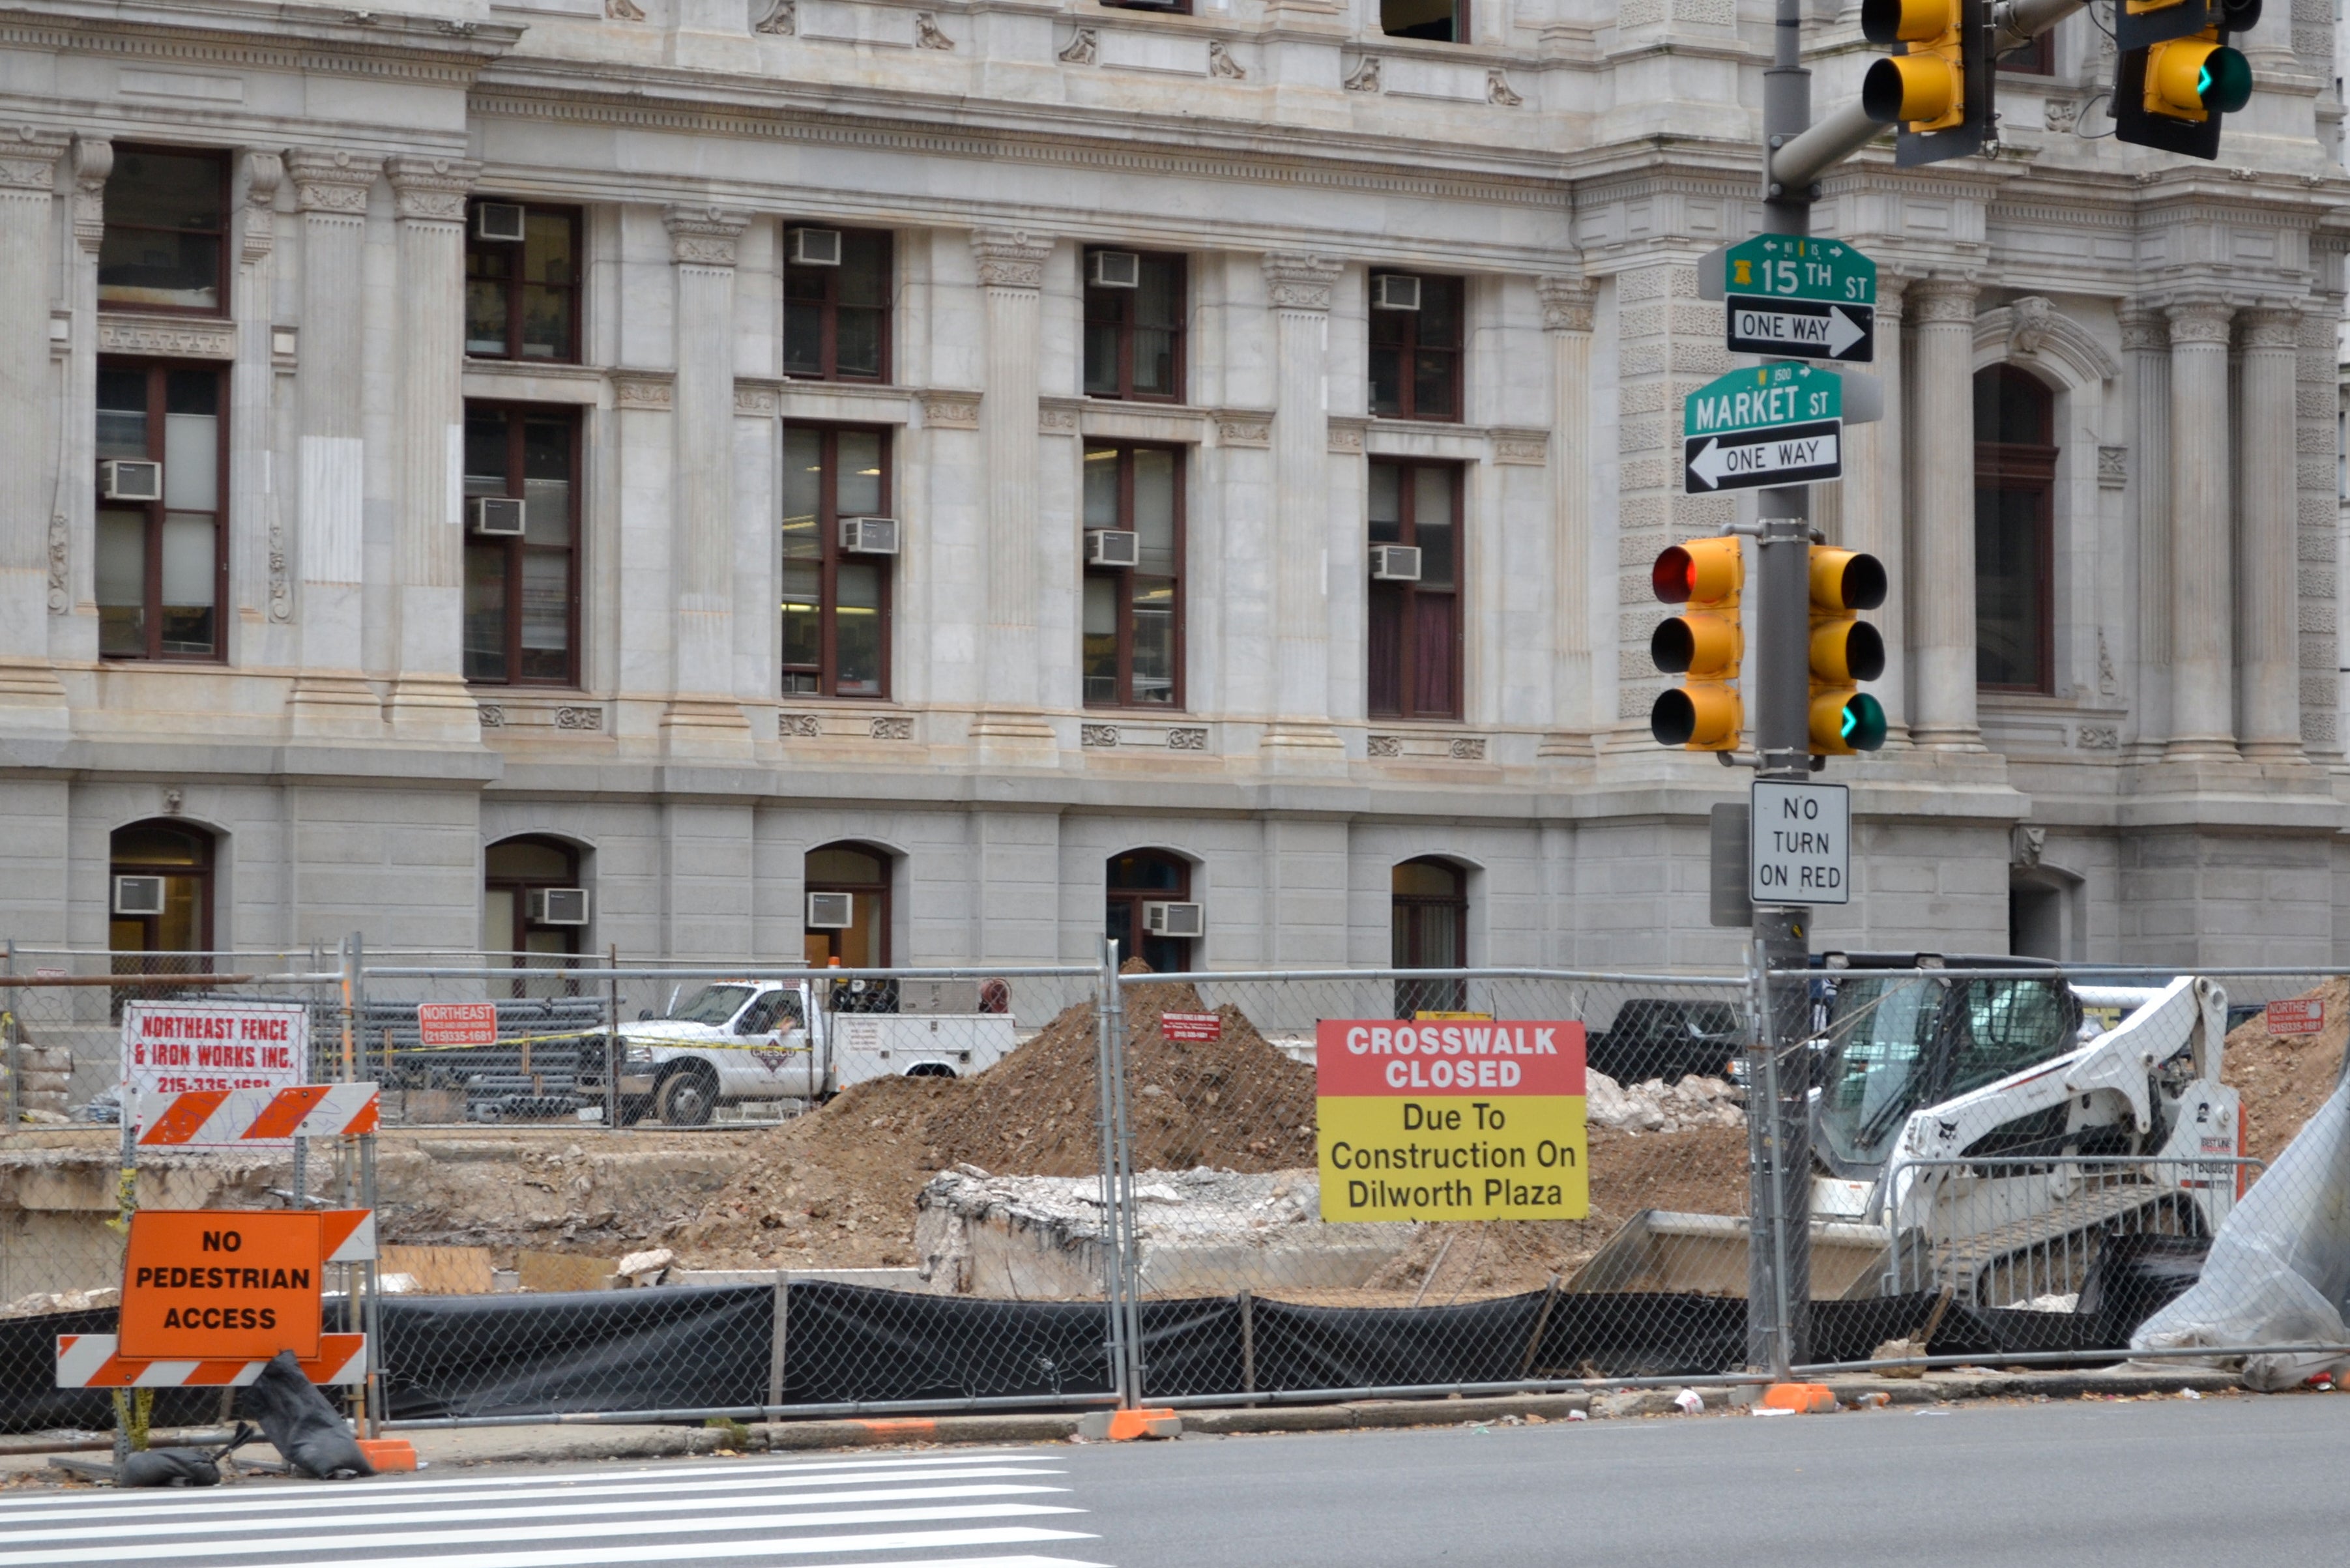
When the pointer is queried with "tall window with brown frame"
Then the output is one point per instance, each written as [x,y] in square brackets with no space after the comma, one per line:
[1133,625]
[1415,599]
[162,556]
[522,281]
[1134,326]
[2015,492]
[521,545]
[835,598]
[837,290]
[1416,346]
[1428,926]
[166,231]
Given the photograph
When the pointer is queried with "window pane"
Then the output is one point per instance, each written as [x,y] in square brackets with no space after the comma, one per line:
[1154,510]
[803,615]
[161,242]
[1101,487]
[1387,378]
[1154,640]
[1154,361]
[1432,529]
[485,319]
[802,339]
[1386,644]
[2008,607]
[1440,313]
[486,451]
[1159,303]
[486,612]
[856,344]
[802,488]
[864,269]
[165,190]
[859,481]
[856,630]
[1432,384]
[1431,654]
[192,392]
[191,462]
[1101,358]
[1386,504]
[189,559]
[547,250]
[546,322]
[1100,651]
[546,481]
[121,567]
[121,413]
[546,615]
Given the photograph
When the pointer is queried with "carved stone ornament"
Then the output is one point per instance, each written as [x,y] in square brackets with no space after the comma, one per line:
[2200,323]
[2144,330]
[643,389]
[264,173]
[803,725]
[331,181]
[1055,419]
[1083,49]
[28,159]
[1244,427]
[781,21]
[2273,327]
[2026,845]
[2061,115]
[171,337]
[1467,749]
[1294,280]
[2031,316]
[1221,64]
[1098,736]
[1943,299]
[959,412]
[1566,304]
[757,400]
[93,160]
[927,35]
[493,716]
[1384,746]
[1345,437]
[1187,738]
[60,559]
[1498,89]
[2113,468]
[704,236]
[1530,448]
[572,718]
[431,190]
[624,11]
[893,728]
[1010,258]
[281,576]
[1364,78]
[2100,738]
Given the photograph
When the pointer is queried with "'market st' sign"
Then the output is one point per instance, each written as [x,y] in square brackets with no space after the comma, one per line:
[1778,424]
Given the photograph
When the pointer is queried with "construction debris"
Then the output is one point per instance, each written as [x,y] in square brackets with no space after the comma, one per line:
[1656,1106]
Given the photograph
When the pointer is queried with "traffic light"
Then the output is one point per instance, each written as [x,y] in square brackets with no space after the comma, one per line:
[1703,645]
[1938,88]
[2175,77]
[1846,650]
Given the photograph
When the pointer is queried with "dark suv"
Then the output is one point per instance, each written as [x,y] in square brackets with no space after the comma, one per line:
[1660,1037]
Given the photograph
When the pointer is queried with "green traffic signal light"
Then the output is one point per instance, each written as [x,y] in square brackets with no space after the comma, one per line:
[1864,722]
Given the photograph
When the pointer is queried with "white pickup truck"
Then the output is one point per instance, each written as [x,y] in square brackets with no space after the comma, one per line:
[733,1041]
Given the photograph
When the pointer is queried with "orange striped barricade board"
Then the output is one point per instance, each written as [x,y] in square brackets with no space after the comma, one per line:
[1450,1118]
[91,1361]
[256,1118]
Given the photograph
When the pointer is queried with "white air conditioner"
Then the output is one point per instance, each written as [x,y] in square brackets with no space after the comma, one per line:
[816,247]
[869,535]
[831,911]
[499,222]
[1395,562]
[1173,920]
[138,894]
[1113,547]
[497,516]
[558,905]
[1394,291]
[1114,269]
[129,479]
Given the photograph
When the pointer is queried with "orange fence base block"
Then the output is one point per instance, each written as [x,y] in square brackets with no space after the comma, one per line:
[1126,1425]
[910,1427]
[389,1454]
[1803,1399]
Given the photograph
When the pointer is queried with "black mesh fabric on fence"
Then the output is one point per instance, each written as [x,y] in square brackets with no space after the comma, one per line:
[852,1342]
[30,1400]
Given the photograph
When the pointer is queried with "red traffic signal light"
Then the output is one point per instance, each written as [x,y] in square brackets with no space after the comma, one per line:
[1704,644]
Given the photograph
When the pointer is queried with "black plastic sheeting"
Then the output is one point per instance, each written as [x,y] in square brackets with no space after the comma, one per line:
[710,1347]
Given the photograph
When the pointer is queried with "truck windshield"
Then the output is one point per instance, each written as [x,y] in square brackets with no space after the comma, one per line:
[712,1004]
[1900,1045]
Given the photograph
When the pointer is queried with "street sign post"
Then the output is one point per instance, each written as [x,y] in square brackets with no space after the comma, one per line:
[1776,425]
[1795,297]
[1801,847]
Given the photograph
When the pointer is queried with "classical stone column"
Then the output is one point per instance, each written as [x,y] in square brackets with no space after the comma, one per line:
[2267,544]
[1942,556]
[2145,339]
[429,699]
[1566,321]
[28,165]
[1011,279]
[1297,287]
[73,521]
[261,560]
[329,484]
[701,713]
[2202,603]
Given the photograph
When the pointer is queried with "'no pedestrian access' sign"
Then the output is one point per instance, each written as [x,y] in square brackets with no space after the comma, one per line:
[1801,848]
[1796,298]
[1778,424]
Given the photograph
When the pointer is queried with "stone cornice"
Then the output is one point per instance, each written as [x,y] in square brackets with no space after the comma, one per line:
[28,159]
[388,46]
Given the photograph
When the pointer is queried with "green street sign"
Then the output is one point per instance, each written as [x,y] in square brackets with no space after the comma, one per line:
[1789,266]
[1775,425]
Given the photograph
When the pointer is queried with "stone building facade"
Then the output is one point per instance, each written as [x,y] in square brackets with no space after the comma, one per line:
[1267,286]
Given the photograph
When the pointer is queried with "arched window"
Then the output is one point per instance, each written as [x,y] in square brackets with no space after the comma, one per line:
[2015,492]
[848,905]
[533,907]
[1428,920]
[1143,877]
[160,889]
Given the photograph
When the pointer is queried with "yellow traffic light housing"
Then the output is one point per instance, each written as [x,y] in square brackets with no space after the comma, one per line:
[1704,645]
[2176,76]
[1938,88]
[1845,651]
[2194,79]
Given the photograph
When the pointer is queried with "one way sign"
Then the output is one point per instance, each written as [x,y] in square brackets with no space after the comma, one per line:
[1749,459]
[1802,328]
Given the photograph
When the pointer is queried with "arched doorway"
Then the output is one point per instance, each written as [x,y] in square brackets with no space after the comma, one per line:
[1143,877]
[2015,508]
[1429,922]
[535,911]
[846,920]
[160,892]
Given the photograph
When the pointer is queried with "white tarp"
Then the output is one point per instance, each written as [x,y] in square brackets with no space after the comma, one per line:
[2279,1272]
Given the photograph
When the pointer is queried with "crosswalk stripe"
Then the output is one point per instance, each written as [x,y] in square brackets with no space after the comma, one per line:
[423,1493]
[665,1552]
[729,1525]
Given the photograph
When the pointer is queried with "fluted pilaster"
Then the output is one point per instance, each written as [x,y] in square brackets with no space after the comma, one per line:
[2146,341]
[30,528]
[703,249]
[1011,265]
[1942,514]
[2269,662]
[2201,586]
[1566,324]
[1298,288]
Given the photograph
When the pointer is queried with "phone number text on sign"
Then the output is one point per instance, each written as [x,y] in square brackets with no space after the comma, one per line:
[185,1047]
[1450,1120]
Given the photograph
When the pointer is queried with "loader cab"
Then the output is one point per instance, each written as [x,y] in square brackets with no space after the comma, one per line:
[1894,1043]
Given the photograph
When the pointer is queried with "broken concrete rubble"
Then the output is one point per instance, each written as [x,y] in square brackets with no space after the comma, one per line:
[1659,1107]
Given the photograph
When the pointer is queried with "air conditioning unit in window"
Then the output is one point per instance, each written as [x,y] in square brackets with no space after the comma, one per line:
[127,479]
[499,222]
[831,911]
[816,247]
[1113,547]
[1394,291]
[138,894]
[869,535]
[1395,562]
[496,516]
[558,905]
[1116,269]
[1173,920]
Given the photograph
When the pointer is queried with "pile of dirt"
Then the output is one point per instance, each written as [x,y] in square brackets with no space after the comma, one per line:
[2284,1078]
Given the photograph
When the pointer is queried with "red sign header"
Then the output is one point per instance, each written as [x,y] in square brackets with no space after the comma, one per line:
[1385,1056]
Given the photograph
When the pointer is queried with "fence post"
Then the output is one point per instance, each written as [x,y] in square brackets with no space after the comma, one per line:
[782,1326]
[374,1396]
[1762,1204]
[1129,1249]
[1113,1269]
[613,1054]
[12,1042]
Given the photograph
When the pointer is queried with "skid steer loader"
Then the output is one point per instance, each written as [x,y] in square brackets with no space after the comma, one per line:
[1987,1132]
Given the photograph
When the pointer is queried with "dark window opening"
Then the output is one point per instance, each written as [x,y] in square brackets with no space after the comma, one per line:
[1133,651]
[2015,490]
[859,874]
[515,926]
[836,603]
[166,225]
[837,317]
[1444,21]
[521,297]
[522,590]
[1147,876]
[1134,336]
[1429,904]
[177,917]
[1416,354]
[1415,626]
[2036,58]
[161,565]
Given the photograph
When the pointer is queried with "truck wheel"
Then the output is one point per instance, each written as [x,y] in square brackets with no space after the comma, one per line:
[687,1096]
